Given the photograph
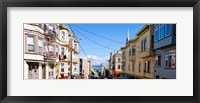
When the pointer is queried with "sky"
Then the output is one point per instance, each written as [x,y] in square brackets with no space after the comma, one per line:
[98,40]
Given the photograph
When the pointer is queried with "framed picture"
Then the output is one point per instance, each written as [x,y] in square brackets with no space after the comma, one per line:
[99,51]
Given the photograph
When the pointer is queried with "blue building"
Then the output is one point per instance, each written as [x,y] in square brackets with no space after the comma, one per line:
[165,51]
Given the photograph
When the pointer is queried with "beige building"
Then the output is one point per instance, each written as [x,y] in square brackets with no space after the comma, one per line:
[138,57]
[68,47]
[117,63]
[84,67]
[46,51]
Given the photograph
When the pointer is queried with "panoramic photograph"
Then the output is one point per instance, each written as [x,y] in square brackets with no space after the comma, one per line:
[99,51]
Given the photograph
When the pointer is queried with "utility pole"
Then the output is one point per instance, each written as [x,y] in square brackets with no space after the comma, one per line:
[70,58]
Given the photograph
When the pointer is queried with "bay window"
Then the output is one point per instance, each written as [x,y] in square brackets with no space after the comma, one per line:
[162,31]
[168,30]
[30,42]
[40,45]
[51,50]
[156,32]
[63,35]
[62,50]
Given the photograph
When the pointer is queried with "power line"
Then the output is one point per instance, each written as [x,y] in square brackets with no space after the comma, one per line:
[103,37]
[94,41]
[98,35]
[103,45]
[80,44]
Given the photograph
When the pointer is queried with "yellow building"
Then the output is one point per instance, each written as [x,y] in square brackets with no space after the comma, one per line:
[137,55]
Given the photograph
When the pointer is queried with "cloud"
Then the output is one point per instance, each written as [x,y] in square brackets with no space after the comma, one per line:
[97,60]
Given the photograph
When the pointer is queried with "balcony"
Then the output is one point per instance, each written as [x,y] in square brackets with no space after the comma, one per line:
[146,53]
[50,56]
[64,43]
[62,57]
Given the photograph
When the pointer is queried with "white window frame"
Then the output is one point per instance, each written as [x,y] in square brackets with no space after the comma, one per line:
[31,43]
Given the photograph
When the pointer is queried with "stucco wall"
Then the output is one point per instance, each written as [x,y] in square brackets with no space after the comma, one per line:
[161,71]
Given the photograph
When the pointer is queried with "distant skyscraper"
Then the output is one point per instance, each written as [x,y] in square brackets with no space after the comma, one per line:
[127,37]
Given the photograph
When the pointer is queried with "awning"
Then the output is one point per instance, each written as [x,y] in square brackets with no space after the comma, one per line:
[116,72]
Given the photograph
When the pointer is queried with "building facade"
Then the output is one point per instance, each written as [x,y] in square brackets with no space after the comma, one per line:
[138,56]
[46,51]
[117,64]
[111,61]
[85,67]
[165,51]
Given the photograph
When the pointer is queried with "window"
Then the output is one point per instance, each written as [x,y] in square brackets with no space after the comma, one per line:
[49,74]
[133,51]
[147,66]
[33,72]
[124,66]
[69,67]
[63,36]
[118,66]
[50,27]
[119,60]
[123,55]
[172,59]
[128,67]
[156,32]
[143,45]
[168,29]
[129,52]
[30,72]
[56,50]
[162,31]
[51,50]
[75,67]
[39,45]
[30,42]
[57,29]
[62,67]
[139,67]
[157,76]
[62,51]
[133,67]
[166,59]
[158,60]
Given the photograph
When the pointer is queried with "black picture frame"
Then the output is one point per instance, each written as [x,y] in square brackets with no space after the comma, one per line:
[99,3]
